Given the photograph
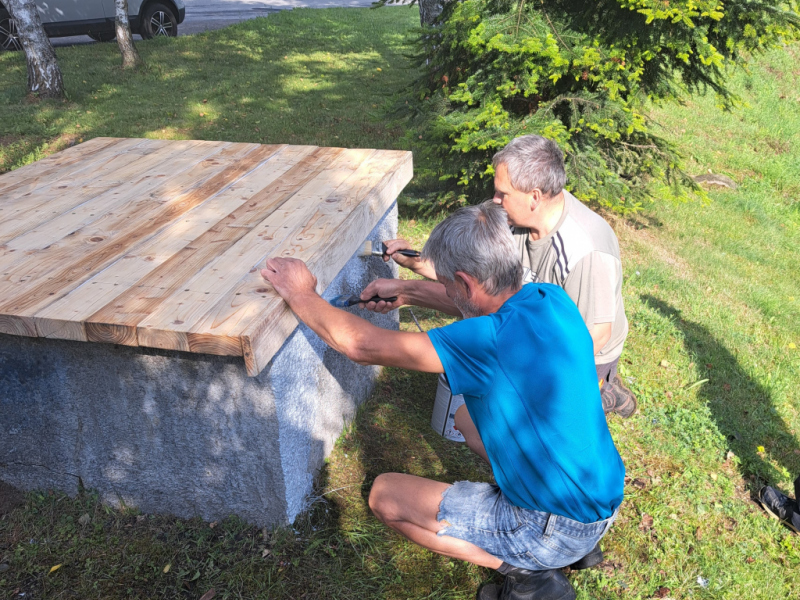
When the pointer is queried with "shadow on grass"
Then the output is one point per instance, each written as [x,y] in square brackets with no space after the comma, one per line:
[743,410]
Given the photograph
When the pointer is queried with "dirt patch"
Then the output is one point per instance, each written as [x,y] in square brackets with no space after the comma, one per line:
[7,140]
[10,498]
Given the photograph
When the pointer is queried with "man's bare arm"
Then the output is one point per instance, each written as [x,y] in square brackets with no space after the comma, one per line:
[358,339]
[428,294]
[601,333]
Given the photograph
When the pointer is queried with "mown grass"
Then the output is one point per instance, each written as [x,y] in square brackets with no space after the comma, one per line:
[711,294]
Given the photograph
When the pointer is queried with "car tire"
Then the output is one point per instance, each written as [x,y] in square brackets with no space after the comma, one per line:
[158,20]
[8,33]
[102,37]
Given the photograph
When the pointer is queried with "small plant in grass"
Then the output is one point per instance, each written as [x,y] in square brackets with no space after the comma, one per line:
[580,73]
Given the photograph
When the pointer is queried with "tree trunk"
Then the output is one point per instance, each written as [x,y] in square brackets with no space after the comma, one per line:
[130,57]
[44,75]
[429,10]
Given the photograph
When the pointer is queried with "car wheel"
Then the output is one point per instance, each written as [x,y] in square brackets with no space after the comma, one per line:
[158,20]
[102,37]
[8,34]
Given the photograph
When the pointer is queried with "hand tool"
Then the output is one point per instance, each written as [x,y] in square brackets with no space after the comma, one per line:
[367,250]
[346,300]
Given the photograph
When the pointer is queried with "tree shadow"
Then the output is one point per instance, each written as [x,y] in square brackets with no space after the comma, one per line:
[743,410]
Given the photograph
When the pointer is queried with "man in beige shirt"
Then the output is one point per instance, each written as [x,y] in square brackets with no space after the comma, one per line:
[560,241]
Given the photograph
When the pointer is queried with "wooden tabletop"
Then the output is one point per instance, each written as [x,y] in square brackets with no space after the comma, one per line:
[159,243]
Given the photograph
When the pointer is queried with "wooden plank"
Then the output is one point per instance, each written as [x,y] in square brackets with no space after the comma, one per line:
[120,294]
[185,308]
[55,272]
[261,193]
[36,229]
[263,337]
[138,268]
[55,163]
[59,185]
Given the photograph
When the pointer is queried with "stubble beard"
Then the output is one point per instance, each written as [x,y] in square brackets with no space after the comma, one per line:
[468,308]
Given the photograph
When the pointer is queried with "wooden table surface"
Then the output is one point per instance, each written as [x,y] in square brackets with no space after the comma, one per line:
[159,243]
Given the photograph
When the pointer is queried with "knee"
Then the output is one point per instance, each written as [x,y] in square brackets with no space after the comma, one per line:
[379,497]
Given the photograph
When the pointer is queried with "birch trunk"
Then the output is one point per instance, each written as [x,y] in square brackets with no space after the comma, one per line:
[130,57]
[429,10]
[44,75]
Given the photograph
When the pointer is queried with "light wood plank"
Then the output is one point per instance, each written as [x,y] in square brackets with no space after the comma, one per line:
[276,180]
[182,310]
[263,337]
[29,175]
[63,268]
[134,178]
[60,185]
[159,267]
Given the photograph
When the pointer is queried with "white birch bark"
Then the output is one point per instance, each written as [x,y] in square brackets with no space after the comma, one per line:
[429,10]
[130,56]
[44,74]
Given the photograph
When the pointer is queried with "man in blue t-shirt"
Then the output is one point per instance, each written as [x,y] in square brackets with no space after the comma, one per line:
[523,359]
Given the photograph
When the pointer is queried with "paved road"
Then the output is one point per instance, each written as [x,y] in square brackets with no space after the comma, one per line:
[202,15]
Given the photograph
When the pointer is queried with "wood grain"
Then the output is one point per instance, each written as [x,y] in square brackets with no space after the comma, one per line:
[160,243]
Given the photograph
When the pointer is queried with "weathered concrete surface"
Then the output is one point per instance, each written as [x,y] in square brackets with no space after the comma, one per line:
[180,433]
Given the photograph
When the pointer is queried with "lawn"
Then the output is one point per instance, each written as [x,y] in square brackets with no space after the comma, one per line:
[711,294]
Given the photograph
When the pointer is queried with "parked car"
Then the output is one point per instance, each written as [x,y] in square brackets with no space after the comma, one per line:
[95,18]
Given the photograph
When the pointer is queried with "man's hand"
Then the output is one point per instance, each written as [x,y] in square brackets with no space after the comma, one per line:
[290,277]
[385,288]
[413,263]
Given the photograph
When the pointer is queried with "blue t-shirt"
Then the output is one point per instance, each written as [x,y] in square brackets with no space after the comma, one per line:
[529,381]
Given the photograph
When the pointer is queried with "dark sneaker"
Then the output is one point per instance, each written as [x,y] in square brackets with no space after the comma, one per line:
[521,584]
[780,507]
[617,398]
[595,557]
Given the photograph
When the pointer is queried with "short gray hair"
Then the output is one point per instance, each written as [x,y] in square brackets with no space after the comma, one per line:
[533,162]
[476,240]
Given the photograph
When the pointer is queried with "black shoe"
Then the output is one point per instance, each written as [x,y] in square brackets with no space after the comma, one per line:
[780,506]
[617,398]
[595,557]
[521,584]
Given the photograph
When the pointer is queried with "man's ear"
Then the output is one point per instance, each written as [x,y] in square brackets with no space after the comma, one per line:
[467,282]
[536,198]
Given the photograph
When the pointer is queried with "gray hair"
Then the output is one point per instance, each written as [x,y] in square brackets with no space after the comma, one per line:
[476,240]
[533,162]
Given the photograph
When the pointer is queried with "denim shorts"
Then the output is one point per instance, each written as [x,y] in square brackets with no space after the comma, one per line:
[481,514]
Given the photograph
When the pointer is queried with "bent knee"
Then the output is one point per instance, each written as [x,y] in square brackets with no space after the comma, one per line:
[380,496]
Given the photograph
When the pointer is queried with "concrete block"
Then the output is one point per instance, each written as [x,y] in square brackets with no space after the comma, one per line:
[179,433]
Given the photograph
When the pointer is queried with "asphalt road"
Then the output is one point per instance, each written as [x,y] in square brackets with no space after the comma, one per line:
[202,15]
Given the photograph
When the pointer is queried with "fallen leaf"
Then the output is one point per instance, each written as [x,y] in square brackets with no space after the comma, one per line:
[84,520]
[760,448]
[167,568]
[205,101]
[212,524]
[661,592]
[726,387]
[664,363]
[639,483]
[265,553]
[647,523]
[749,560]
[202,114]
[209,594]
[55,568]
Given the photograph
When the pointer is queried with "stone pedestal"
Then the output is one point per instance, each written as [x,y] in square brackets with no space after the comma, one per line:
[186,434]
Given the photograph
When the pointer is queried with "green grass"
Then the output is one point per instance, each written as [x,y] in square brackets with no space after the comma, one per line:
[299,76]
[711,293]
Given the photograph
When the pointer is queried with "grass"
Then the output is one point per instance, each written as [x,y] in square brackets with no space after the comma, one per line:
[711,294]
